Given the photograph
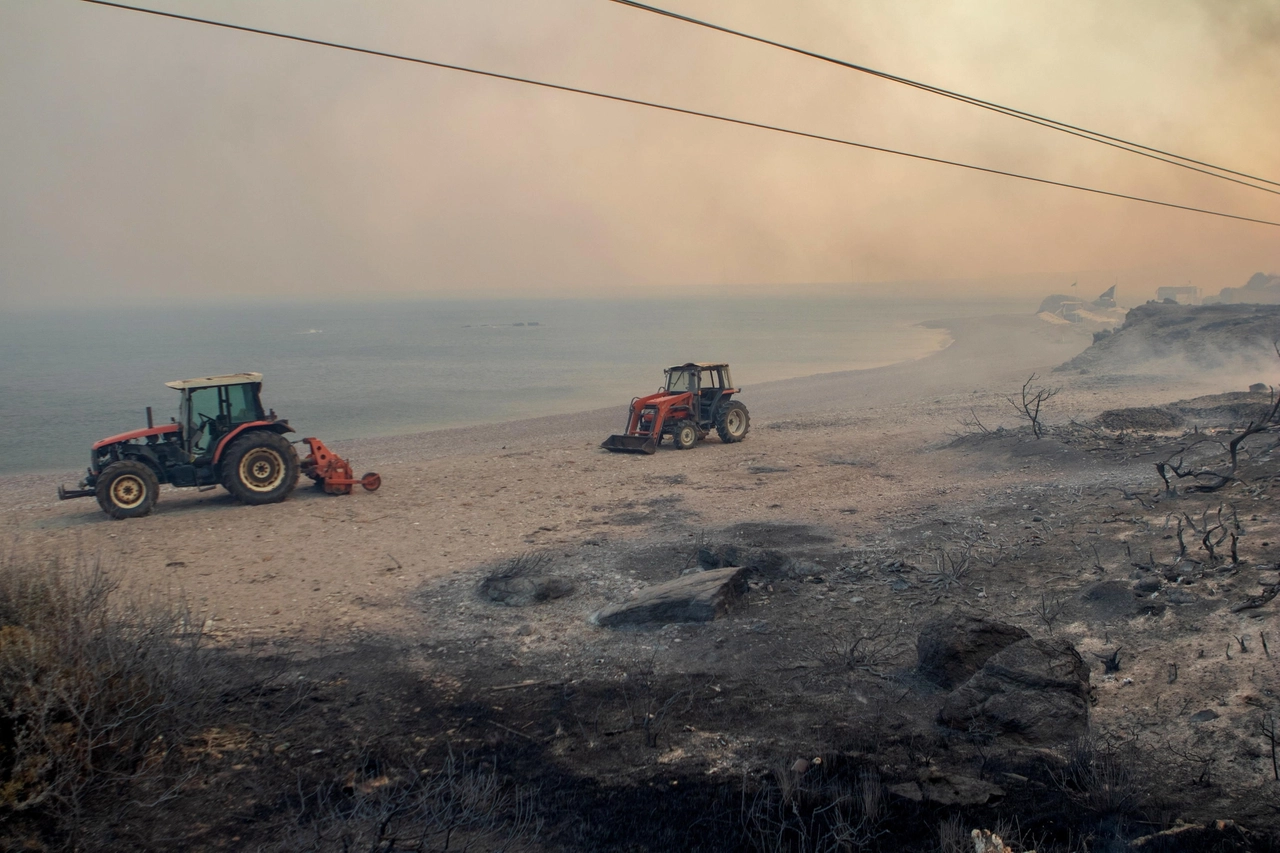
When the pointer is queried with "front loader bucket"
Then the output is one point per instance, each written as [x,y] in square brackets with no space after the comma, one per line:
[630,444]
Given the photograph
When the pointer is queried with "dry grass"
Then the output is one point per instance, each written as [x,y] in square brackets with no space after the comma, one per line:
[401,806]
[97,691]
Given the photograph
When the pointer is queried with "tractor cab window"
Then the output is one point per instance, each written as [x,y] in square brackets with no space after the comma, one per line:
[680,381]
[711,380]
[200,417]
[243,404]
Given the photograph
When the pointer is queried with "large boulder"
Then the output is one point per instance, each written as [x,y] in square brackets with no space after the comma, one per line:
[697,597]
[951,649]
[947,790]
[1035,691]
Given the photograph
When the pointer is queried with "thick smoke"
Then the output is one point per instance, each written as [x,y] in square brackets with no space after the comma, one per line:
[154,159]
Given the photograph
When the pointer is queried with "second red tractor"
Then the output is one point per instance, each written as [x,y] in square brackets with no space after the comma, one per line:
[696,399]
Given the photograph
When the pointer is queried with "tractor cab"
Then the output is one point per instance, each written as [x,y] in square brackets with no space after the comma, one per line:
[214,406]
[694,400]
[708,383]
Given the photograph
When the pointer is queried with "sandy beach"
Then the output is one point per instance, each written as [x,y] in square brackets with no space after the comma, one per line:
[458,500]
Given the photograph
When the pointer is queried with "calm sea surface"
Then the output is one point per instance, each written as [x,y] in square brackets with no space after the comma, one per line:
[340,371]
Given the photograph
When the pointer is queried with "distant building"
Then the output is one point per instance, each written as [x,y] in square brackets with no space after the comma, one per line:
[1182,295]
[1060,305]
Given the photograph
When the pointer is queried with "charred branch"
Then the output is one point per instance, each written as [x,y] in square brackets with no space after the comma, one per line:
[1029,404]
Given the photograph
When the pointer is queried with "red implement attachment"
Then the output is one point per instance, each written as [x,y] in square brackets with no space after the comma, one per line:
[333,472]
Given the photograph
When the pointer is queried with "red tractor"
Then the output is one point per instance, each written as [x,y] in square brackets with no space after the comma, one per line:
[696,399]
[223,437]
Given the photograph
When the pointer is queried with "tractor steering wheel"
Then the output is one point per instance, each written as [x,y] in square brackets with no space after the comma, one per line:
[207,428]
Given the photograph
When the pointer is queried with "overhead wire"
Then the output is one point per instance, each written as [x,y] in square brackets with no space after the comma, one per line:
[668,108]
[1220,172]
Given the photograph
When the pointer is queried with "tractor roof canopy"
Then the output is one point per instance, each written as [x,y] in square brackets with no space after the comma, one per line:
[211,381]
[701,365]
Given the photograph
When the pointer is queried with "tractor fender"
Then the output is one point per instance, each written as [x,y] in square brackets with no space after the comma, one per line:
[144,454]
[280,427]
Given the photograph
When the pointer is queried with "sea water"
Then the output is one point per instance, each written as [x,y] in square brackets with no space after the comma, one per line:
[339,370]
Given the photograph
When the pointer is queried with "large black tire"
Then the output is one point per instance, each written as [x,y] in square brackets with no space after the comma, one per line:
[732,422]
[685,435]
[127,489]
[260,468]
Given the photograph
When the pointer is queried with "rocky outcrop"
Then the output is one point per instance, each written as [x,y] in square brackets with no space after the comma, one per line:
[1161,337]
[1233,409]
[698,597]
[951,649]
[1259,289]
[1035,691]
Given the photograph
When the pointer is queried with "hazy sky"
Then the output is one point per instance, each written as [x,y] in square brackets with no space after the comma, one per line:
[152,159]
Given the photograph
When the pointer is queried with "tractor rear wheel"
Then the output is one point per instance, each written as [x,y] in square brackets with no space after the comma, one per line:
[127,489]
[732,422]
[260,468]
[685,435]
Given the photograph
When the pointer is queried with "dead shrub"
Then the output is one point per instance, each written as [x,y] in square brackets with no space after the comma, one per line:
[399,807]
[869,646]
[813,811]
[1029,403]
[523,580]
[1102,779]
[97,691]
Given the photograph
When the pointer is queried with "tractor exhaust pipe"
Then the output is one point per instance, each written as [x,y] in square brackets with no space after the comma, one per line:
[150,424]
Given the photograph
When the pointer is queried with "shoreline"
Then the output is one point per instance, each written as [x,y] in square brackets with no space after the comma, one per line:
[945,342]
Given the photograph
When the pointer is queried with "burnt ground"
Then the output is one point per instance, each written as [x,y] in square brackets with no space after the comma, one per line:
[525,725]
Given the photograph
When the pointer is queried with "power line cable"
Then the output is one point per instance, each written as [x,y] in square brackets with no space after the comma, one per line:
[1043,121]
[680,110]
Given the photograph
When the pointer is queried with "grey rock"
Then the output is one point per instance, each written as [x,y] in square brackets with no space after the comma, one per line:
[1206,716]
[951,649]
[699,597]
[906,790]
[1180,596]
[804,569]
[1148,585]
[959,791]
[1035,691]
[521,590]
[1107,600]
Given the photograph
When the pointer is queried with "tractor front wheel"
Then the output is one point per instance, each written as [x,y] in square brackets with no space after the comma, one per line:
[732,422]
[260,468]
[127,489]
[686,435]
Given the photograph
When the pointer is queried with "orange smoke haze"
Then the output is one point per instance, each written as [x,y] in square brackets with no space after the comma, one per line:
[154,159]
